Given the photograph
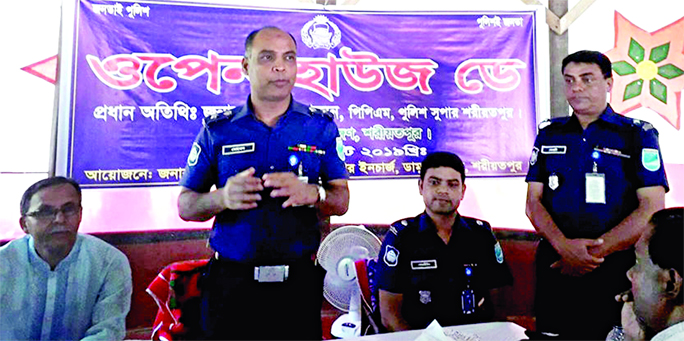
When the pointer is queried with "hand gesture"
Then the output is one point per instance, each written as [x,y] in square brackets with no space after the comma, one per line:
[241,191]
[287,185]
[575,257]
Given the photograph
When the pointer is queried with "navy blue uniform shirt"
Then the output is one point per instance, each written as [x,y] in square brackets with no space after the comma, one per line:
[233,142]
[625,150]
[431,275]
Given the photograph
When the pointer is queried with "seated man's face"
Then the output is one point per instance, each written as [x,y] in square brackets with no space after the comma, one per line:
[646,289]
[442,190]
[53,217]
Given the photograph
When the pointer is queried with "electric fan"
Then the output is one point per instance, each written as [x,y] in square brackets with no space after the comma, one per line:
[337,254]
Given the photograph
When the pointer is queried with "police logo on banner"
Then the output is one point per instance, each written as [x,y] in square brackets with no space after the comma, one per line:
[391,256]
[194,154]
[321,33]
[650,158]
[340,148]
[425,296]
[498,252]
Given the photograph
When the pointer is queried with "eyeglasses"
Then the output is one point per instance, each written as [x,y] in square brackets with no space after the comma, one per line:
[50,213]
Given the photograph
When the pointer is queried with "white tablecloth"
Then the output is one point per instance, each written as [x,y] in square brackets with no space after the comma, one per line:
[490,331]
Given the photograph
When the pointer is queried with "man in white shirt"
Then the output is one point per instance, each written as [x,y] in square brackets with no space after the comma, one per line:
[654,309]
[57,284]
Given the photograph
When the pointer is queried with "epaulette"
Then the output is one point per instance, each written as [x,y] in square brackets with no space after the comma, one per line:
[646,126]
[477,222]
[318,111]
[552,121]
[217,117]
[398,226]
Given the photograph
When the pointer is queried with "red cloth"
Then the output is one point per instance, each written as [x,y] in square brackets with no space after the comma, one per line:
[172,289]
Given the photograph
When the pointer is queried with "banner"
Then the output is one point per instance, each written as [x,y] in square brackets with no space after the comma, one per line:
[400,85]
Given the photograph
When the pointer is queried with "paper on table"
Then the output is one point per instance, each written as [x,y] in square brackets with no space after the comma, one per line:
[434,332]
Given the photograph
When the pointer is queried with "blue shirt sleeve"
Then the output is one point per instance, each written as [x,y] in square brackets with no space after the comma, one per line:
[534,172]
[650,169]
[498,273]
[200,171]
[332,166]
[388,271]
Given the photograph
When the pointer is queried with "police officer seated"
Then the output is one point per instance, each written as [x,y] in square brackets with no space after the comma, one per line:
[439,264]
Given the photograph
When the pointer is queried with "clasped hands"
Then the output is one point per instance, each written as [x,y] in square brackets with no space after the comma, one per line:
[578,256]
[241,191]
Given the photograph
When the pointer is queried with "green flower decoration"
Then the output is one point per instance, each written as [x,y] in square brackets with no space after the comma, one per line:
[647,70]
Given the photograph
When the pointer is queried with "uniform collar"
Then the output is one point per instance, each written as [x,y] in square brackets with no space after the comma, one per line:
[607,116]
[247,109]
[427,224]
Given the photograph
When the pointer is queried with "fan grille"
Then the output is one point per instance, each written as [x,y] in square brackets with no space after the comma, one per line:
[341,245]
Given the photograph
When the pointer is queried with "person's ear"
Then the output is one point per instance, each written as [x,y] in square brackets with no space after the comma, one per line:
[673,282]
[609,82]
[245,64]
[420,186]
[22,223]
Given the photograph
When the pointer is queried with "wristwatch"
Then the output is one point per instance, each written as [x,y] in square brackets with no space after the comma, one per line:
[321,194]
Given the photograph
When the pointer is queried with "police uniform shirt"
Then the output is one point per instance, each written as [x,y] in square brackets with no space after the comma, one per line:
[431,275]
[233,142]
[626,153]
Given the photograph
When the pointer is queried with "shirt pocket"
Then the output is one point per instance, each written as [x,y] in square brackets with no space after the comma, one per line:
[311,166]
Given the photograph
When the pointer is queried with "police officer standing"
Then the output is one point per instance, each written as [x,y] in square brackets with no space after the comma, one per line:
[439,265]
[277,166]
[595,179]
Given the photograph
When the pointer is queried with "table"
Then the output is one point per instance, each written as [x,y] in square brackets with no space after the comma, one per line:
[490,331]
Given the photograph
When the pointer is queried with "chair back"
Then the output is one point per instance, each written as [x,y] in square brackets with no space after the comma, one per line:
[370,315]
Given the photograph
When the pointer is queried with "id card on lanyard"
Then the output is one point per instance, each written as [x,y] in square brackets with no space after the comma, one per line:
[595,186]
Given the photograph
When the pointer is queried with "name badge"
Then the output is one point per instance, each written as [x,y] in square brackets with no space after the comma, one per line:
[241,148]
[423,264]
[595,188]
[554,149]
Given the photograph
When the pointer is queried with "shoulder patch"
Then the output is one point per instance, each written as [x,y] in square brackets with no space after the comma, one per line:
[498,252]
[194,154]
[391,256]
[217,117]
[534,156]
[650,159]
